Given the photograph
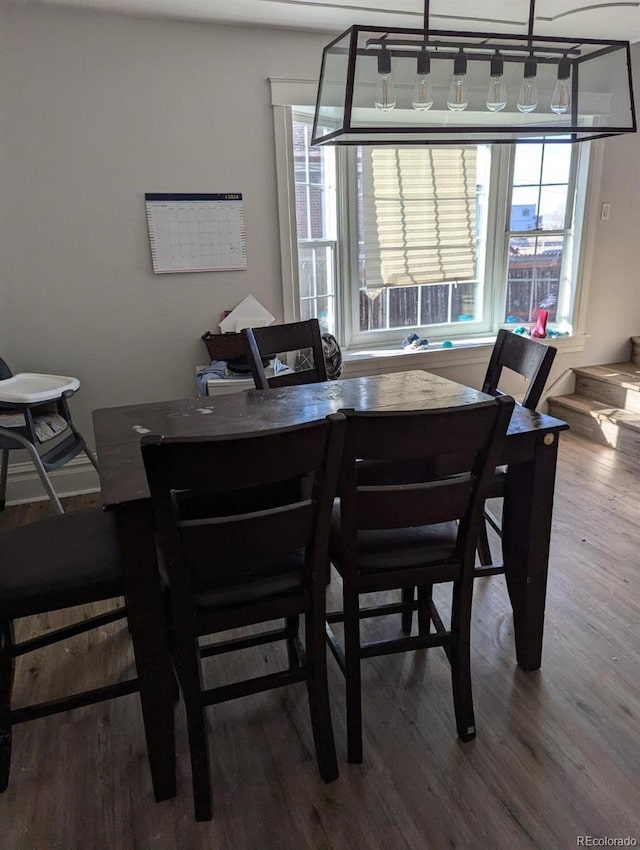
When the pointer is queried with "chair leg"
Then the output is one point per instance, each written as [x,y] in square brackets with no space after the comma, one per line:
[352,673]
[484,550]
[48,486]
[65,411]
[318,692]
[293,626]
[92,457]
[4,472]
[7,664]
[190,677]
[460,658]
[424,617]
[407,616]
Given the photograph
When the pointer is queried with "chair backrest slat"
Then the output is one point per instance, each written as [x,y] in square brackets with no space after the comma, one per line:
[263,343]
[251,534]
[423,503]
[526,357]
[448,432]
[234,462]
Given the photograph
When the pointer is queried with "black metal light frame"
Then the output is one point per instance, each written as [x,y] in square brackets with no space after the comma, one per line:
[478,46]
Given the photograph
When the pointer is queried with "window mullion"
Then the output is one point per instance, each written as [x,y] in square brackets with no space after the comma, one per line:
[350,271]
[495,283]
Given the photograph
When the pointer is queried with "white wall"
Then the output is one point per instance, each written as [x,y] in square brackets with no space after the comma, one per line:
[96,110]
[613,313]
[100,110]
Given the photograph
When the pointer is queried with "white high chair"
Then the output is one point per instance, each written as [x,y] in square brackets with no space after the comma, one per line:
[35,415]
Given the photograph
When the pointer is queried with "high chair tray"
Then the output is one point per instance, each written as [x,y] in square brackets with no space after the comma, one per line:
[30,388]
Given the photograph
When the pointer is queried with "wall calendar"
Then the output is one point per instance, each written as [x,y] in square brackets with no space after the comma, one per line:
[196,233]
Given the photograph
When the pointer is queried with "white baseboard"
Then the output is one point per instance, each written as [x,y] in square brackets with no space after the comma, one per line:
[73,479]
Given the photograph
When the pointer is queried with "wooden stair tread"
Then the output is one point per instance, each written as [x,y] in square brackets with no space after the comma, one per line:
[596,410]
[624,375]
[605,404]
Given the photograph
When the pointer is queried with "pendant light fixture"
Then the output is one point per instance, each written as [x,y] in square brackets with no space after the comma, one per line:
[528,95]
[457,100]
[423,90]
[497,93]
[456,87]
[385,90]
[561,98]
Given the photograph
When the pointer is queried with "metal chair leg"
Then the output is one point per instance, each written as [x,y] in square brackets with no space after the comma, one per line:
[92,458]
[37,462]
[48,486]
[4,471]
[6,687]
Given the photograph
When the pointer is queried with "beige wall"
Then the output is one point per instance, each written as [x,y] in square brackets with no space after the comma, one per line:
[96,110]
[100,110]
[613,310]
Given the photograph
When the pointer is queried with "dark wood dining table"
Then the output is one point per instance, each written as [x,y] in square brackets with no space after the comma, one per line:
[530,451]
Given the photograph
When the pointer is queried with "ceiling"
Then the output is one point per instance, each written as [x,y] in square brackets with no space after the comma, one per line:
[581,18]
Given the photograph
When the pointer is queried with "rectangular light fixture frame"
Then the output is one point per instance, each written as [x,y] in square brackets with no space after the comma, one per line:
[601,83]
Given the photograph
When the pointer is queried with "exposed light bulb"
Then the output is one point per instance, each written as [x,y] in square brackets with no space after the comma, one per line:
[528,95]
[497,91]
[385,89]
[457,100]
[423,90]
[561,98]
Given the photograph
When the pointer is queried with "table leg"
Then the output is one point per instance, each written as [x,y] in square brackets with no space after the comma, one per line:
[146,624]
[528,507]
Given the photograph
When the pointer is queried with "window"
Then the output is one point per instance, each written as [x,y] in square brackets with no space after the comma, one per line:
[447,242]
[541,203]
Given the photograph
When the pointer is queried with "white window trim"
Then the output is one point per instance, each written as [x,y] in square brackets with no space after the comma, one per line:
[290,94]
[286,211]
[358,362]
[591,189]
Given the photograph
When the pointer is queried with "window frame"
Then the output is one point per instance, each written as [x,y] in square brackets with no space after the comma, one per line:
[586,179]
[575,220]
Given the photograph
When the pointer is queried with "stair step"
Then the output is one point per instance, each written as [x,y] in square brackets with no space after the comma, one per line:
[615,385]
[611,426]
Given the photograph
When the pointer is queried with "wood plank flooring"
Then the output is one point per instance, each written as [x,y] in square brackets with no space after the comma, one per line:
[556,756]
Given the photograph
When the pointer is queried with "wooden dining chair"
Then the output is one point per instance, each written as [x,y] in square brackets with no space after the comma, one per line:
[397,536]
[532,360]
[304,338]
[57,563]
[238,549]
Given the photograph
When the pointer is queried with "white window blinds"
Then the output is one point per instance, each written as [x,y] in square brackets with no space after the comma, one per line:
[419,215]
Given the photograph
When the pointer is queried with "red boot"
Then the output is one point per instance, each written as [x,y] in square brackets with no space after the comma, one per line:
[540,330]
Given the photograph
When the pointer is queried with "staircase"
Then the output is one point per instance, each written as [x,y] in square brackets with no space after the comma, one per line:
[605,405]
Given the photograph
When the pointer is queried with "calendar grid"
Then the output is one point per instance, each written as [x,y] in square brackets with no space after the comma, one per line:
[196,233]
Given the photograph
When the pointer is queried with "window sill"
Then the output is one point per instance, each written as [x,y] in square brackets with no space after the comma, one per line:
[372,361]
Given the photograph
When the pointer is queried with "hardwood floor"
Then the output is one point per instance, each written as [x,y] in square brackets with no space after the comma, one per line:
[556,755]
